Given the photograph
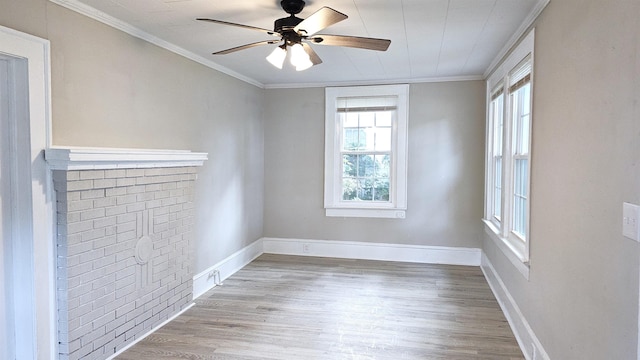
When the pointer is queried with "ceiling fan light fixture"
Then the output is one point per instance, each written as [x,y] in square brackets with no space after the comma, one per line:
[277,56]
[299,58]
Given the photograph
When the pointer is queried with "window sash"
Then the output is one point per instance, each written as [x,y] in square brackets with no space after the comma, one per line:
[365,100]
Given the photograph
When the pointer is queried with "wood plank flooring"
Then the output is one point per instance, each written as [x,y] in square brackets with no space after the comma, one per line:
[288,307]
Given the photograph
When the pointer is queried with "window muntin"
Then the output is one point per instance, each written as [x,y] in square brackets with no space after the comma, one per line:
[365,151]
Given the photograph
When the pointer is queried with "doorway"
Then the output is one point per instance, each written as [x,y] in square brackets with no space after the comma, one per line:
[27,291]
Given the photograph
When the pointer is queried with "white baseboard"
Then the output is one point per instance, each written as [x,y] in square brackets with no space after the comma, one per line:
[374,251]
[137,340]
[527,339]
[204,281]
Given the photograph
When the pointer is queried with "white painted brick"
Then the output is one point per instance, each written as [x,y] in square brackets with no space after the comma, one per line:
[91,194]
[153,187]
[137,189]
[78,248]
[89,256]
[91,174]
[139,206]
[79,205]
[79,269]
[104,202]
[79,227]
[125,290]
[115,173]
[104,242]
[135,172]
[126,227]
[104,222]
[169,186]
[104,183]
[121,182]
[93,234]
[73,175]
[92,214]
[153,204]
[144,197]
[79,185]
[115,210]
[116,191]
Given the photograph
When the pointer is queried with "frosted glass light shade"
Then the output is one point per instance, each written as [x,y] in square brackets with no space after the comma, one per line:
[277,56]
[300,58]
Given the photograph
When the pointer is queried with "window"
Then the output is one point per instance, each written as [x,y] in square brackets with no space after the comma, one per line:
[366,151]
[509,121]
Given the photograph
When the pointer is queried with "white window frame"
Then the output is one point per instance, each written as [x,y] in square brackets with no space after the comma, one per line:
[515,247]
[397,204]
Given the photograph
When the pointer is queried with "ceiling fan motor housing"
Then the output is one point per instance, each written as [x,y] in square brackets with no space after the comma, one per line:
[292,6]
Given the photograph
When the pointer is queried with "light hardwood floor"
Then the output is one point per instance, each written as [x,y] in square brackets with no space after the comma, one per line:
[288,307]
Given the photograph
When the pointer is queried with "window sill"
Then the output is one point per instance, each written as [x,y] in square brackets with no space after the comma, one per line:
[366,213]
[510,252]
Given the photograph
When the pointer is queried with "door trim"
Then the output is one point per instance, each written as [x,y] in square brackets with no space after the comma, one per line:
[36,257]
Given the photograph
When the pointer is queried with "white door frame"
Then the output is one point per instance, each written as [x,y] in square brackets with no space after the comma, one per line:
[34,260]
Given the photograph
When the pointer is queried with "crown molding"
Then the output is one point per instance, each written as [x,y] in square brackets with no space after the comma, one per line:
[517,35]
[375,82]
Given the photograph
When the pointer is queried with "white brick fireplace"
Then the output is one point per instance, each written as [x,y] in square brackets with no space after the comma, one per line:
[124,242]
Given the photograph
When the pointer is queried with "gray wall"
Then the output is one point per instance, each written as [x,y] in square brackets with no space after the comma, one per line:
[446,169]
[112,90]
[582,296]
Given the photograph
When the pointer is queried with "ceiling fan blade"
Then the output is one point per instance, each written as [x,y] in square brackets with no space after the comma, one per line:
[270,32]
[315,59]
[247,46]
[319,20]
[352,41]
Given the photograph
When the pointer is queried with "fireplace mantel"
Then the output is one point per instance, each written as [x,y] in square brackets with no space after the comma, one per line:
[81,158]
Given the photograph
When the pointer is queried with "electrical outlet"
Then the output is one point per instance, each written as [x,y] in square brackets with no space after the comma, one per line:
[305,248]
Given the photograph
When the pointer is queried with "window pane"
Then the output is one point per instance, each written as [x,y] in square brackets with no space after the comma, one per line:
[365,166]
[520,196]
[349,165]
[383,118]
[497,189]
[367,119]
[383,139]
[382,166]
[350,119]
[349,189]
[381,190]
[365,189]
[353,139]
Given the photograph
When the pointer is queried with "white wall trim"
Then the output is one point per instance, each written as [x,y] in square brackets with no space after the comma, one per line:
[374,251]
[36,194]
[205,281]
[527,339]
[528,21]
[150,332]
[77,158]
[104,18]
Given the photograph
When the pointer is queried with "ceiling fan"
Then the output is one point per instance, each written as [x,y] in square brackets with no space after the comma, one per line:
[296,33]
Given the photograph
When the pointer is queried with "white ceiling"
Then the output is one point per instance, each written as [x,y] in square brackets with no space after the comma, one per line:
[430,39]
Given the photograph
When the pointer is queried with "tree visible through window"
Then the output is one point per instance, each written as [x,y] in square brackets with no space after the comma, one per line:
[366,155]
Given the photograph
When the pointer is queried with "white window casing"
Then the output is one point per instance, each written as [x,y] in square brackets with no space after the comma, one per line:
[366,123]
[508,159]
